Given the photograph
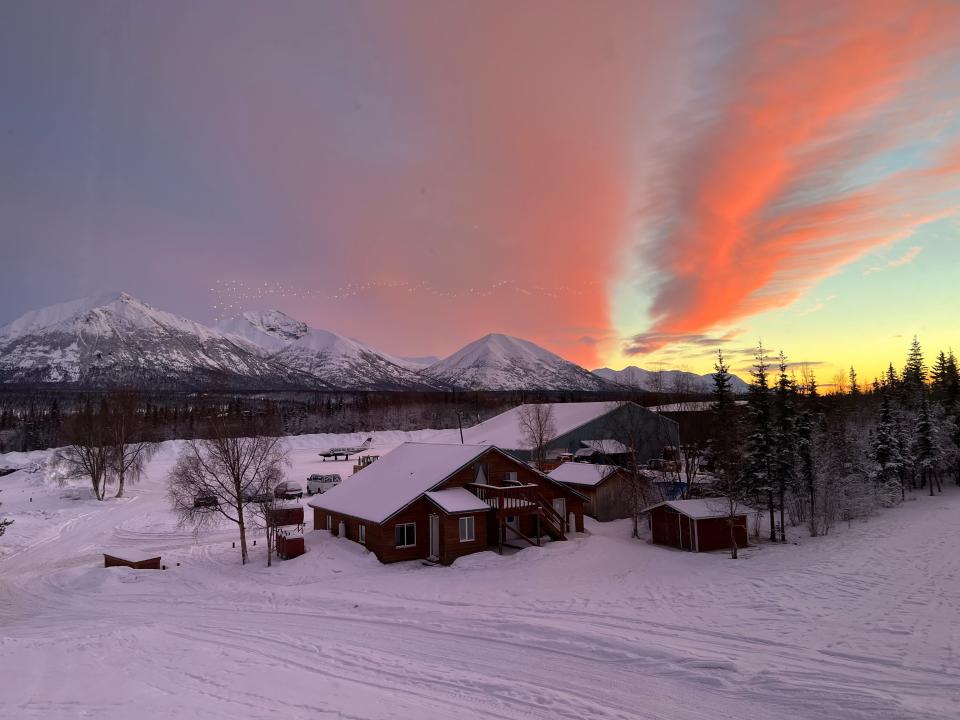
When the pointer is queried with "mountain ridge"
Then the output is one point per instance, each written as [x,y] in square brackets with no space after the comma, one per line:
[111,339]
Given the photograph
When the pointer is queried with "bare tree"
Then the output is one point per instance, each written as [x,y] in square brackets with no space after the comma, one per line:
[216,479]
[537,429]
[632,430]
[87,454]
[129,450]
[683,388]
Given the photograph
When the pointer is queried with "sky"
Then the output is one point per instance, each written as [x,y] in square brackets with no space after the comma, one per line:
[625,183]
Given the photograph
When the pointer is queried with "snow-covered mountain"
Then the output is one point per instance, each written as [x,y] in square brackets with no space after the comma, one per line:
[113,339]
[672,381]
[501,362]
[416,363]
[333,359]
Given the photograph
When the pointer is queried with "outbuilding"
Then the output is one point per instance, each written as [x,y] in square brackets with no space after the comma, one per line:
[606,487]
[136,559]
[699,525]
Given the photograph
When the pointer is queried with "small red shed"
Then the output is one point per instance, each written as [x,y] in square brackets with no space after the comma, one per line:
[698,525]
[132,559]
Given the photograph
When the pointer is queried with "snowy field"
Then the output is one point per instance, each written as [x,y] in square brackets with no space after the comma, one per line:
[861,624]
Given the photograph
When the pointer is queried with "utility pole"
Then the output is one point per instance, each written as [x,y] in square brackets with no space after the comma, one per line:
[460,425]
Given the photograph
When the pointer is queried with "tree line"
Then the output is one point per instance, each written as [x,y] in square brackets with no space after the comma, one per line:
[814,460]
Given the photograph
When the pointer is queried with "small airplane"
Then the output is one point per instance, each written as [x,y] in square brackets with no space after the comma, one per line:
[346,452]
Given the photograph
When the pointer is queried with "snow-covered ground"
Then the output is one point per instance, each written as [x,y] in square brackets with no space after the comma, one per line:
[861,624]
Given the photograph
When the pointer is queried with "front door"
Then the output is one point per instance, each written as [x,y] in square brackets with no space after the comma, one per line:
[560,505]
[435,536]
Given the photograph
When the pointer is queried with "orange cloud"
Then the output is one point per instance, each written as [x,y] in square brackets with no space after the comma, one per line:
[767,197]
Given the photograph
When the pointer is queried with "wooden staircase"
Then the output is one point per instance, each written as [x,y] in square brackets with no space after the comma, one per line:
[517,500]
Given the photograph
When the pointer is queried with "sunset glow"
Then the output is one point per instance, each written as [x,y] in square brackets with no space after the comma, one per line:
[623,183]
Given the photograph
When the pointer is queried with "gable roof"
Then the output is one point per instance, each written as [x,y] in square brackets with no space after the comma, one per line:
[398,478]
[578,473]
[703,508]
[504,431]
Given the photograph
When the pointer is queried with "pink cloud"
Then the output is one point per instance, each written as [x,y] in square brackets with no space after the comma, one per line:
[762,202]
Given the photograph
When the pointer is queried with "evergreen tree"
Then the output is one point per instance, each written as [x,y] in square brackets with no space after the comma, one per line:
[925,455]
[807,470]
[785,440]
[760,440]
[725,447]
[886,448]
[939,375]
[854,383]
[914,373]
[891,381]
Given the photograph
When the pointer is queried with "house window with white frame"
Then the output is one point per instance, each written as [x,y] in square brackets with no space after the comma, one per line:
[467,526]
[362,534]
[330,523]
[405,535]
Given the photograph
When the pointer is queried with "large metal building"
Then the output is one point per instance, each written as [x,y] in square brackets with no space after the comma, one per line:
[577,425]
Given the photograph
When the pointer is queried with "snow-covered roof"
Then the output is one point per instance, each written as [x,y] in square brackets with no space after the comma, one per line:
[578,473]
[504,429]
[703,508]
[396,479]
[457,500]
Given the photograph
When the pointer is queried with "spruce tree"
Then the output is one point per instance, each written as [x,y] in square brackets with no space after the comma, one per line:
[925,455]
[914,374]
[886,448]
[807,471]
[760,443]
[939,375]
[785,440]
[725,447]
[854,383]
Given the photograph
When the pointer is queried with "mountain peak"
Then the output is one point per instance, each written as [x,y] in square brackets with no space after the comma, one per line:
[275,322]
[502,362]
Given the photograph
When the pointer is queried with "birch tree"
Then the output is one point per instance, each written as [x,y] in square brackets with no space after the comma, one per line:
[216,479]
[537,429]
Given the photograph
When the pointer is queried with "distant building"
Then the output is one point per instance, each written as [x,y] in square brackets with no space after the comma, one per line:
[606,487]
[622,427]
[439,502]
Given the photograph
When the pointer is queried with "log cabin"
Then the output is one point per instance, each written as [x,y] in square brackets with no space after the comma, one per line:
[438,502]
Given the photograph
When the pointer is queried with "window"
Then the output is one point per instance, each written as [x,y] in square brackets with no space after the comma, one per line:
[466,529]
[330,523]
[362,534]
[405,535]
[481,474]
[511,478]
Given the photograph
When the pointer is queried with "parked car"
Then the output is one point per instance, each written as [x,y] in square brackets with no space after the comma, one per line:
[318,484]
[288,490]
[251,496]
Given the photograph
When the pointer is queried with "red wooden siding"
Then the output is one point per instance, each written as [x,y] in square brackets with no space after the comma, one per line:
[380,537]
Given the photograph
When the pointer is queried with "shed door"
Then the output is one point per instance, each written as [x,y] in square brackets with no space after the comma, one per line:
[435,536]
